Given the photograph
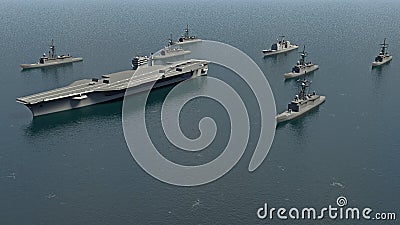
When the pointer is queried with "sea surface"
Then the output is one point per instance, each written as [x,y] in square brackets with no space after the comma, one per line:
[75,167]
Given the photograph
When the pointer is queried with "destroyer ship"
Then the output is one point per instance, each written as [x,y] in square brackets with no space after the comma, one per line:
[185,38]
[383,57]
[145,72]
[302,103]
[280,46]
[52,59]
[171,50]
[302,67]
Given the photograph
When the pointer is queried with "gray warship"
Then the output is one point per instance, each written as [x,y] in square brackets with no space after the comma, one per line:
[302,67]
[145,72]
[186,38]
[383,56]
[280,46]
[52,59]
[171,50]
[302,103]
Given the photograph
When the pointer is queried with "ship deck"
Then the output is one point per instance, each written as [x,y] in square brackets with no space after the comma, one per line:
[113,82]
[269,52]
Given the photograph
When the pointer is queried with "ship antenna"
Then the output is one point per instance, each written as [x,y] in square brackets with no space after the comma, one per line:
[170,41]
[283,38]
[52,48]
[303,84]
[187,31]
[384,46]
[303,56]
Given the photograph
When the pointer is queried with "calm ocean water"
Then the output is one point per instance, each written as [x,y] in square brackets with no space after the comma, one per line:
[75,168]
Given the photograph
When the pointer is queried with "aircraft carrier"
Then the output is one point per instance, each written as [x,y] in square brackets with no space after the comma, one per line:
[142,77]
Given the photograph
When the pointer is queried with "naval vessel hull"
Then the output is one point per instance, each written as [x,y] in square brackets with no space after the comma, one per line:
[54,62]
[308,69]
[384,61]
[187,41]
[113,86]
[270,52]
[63,104]
[285,116]
[171,54]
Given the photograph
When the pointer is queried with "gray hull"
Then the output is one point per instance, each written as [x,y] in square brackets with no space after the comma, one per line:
[285,116]
[309,69]
[87,92]
[51,63]
[275,52]
[384,61]
[188,41]
[64,104]
[69,103]
[171,54]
